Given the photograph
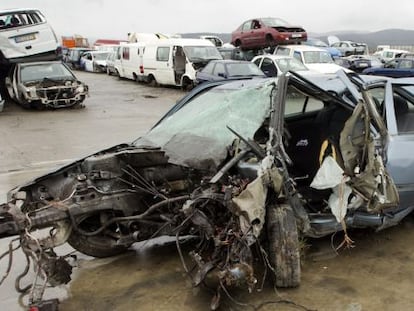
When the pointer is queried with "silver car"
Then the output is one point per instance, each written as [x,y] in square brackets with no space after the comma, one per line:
[45,85]
[242,166]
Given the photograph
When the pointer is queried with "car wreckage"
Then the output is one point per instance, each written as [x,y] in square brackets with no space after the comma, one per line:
[246,167]
[45,85]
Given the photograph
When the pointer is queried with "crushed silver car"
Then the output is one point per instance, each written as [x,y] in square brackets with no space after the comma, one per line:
[45,85]
[247,168]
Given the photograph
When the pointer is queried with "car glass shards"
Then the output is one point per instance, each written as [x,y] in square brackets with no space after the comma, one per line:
[197,134]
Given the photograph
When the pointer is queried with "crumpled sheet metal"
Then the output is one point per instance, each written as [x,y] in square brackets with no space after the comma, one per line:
[250,203]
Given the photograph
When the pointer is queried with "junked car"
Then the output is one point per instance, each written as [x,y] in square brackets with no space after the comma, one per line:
[266,32]
[274,65]
[228,69]
[314,58]
[45,85]
[226,166]
[94,61]
[26,36]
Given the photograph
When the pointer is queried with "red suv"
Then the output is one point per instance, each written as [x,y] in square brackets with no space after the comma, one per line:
[266,32]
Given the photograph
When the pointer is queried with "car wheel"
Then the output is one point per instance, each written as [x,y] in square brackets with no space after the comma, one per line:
[101,245]
[283,248]
[152,81]
[237,43]
[187,85]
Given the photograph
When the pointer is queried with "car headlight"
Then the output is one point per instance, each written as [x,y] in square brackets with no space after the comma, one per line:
[31,92]
[80,89]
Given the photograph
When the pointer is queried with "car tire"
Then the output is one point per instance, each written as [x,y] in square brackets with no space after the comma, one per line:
[152,81]
[100,245]
[237,43]
[187,85]
[283,247]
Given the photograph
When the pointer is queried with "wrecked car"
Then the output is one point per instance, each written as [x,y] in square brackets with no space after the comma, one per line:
[45,85]
[94,61]
[247,168]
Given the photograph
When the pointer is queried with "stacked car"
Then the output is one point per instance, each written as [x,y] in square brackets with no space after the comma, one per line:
[29,50]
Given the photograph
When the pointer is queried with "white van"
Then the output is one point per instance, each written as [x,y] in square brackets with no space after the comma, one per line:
[25,36]
[314,58]
[128,61]
[175,61]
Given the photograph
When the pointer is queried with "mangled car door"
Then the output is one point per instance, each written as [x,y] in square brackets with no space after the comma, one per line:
[362,155]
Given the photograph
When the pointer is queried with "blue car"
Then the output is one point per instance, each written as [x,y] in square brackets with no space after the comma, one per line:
[320,44]
[396,68]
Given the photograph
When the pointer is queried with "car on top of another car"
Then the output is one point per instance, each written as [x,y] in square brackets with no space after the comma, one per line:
[260,33]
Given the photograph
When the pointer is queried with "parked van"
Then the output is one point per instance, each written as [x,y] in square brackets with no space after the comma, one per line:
[128,61]
[26,36]
[175,61]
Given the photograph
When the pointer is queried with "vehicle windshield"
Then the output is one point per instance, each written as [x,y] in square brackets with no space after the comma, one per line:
[100,56]
[198,133]
[243,69]
[197,53]
[274,22]
[317,57]
[286,64]
[41,71]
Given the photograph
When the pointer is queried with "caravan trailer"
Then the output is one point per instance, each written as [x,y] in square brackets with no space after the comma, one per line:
[175,61]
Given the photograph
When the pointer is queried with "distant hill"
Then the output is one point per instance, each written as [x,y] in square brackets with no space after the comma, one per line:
[402,37]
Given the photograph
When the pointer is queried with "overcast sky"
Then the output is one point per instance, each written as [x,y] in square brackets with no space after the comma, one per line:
[113,19]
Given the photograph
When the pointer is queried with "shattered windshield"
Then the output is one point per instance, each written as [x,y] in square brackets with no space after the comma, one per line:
[286,64]
[197,53]
[42,71]
[101,56]
[197,134]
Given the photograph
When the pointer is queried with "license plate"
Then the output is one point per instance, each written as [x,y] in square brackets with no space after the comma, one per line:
[24,38]
[296,35]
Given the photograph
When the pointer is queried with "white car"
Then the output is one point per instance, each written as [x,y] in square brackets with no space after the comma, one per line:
[274,65]
[49,84]
[314,58]
[26,36]
[94,61]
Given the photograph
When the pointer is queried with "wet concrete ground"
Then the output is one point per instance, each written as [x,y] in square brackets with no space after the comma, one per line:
[376,274]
